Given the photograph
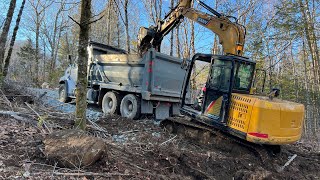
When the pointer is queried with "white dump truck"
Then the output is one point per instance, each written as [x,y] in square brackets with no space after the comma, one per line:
[127,83]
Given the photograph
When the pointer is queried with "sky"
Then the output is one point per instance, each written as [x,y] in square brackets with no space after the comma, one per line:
[203,37]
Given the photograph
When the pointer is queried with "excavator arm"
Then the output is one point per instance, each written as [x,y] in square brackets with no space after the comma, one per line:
[231,34]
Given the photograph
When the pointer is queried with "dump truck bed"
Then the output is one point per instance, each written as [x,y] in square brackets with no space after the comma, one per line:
[156,76]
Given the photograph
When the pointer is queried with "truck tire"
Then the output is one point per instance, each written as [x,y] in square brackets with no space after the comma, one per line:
[63,95]
[111,103]
[130,107]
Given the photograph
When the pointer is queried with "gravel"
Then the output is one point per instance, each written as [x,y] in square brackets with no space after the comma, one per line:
[49,97]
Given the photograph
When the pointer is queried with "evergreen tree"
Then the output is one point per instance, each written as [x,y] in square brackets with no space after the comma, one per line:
[26,56]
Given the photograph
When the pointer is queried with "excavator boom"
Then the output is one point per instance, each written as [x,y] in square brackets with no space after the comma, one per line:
[231,34]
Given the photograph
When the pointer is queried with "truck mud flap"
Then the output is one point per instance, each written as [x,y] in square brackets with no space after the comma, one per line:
[146,107]
[162,111]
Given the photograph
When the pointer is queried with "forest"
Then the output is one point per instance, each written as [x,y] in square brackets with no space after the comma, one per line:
[282,37]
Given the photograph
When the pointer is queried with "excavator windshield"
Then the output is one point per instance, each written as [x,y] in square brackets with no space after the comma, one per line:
[243,76]
[220,76]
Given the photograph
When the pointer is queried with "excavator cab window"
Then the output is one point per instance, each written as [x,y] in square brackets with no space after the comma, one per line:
[219,78]
[243,77]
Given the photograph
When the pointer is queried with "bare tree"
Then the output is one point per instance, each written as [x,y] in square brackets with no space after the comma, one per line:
[108,29]
[5,31]
[15,31]
[311,38]
[126,24]
[125,19]
[39,7]
[81,95]
[53,30]
[154,8]
[171,35]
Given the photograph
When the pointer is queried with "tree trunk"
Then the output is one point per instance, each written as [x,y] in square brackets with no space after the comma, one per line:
[44,62]
[15,31]
[109,23]
[118,33]
[193,52]
[171,35]
[294,72]
[186,49]
[306,86]
[55,40]
[57,45]
[36,78]
[215,49]
[127,25]
[81,93]
[314,51]
[311,39]
[5,31]
[178,43]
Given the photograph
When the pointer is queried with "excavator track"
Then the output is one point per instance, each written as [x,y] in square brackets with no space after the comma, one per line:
[206,134]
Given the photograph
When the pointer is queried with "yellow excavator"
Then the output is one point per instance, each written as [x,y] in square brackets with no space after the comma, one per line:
[229,104]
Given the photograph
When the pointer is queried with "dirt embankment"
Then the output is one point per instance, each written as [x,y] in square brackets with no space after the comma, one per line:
[135,150]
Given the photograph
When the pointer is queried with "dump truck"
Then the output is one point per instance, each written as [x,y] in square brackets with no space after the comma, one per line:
[128,84]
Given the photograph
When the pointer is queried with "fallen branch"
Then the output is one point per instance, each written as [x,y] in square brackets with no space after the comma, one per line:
[6,99]
[287,163]
[56,168]
[40,118]
[168,140]
[16,116]
[138,167]
[108,175]
[97,127]
[128,132]
[133,131]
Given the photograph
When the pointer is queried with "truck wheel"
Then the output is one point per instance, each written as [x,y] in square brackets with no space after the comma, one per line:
[63,95]
[130,107]
[110,103]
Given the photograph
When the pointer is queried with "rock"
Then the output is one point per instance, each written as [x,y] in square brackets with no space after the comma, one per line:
[73,148]
[45,85]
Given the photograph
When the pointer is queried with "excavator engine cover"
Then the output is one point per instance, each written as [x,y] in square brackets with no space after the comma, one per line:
[266,121]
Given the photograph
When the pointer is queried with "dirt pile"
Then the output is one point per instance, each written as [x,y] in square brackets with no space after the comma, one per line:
[136,150]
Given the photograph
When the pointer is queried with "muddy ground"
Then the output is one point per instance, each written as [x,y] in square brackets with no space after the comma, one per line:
[135,149]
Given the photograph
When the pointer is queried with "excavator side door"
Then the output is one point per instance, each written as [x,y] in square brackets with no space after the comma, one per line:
[216,94]
[218,90]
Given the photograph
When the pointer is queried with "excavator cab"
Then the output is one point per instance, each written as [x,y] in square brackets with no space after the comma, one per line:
[226,75]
